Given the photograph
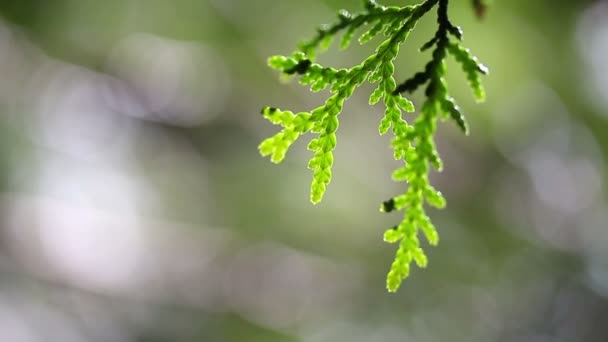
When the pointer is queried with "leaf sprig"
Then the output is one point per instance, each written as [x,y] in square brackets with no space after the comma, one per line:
[414,144]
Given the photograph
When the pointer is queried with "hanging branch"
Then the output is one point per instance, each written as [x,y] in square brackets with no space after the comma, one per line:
[412,143]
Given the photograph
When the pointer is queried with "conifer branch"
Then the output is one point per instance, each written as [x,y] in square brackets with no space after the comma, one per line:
[414,144]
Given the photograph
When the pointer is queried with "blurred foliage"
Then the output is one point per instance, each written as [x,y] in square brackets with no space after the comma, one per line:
[135,206]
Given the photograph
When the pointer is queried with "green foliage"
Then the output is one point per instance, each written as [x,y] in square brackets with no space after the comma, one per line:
[412,143]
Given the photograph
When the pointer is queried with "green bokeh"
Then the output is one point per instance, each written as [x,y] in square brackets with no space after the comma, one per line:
[524,236]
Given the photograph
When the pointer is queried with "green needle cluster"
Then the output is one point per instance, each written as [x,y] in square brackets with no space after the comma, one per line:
[412,143]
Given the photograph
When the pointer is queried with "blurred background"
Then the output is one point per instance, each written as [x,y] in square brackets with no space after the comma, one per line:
[135,207]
